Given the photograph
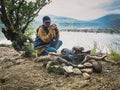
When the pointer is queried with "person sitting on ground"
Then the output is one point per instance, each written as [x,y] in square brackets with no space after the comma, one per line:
[47,38]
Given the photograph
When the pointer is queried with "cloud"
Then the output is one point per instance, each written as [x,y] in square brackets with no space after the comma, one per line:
[113,5]
[78,9]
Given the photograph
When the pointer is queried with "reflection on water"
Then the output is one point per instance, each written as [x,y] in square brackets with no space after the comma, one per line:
[86,40]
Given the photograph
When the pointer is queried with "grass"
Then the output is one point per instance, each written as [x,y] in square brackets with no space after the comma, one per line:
[29,51]
[94,49]
[114,55]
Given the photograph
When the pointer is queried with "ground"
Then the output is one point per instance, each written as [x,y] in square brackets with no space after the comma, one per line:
[27,75]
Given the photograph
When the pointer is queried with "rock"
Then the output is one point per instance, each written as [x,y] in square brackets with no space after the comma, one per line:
[88,65]
[19,61]
[97,66]
[80,66]
[49,64]
[77,71]
[87,70]
[56,69]
[1,68]
[2,80]
[86,75]
[68,69]
[4,59]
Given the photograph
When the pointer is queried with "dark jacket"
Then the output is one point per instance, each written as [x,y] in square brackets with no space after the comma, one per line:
[43,38]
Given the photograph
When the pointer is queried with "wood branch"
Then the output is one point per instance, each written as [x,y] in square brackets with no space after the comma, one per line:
[4,17]
[11,14]
[109,60]
[103,58]
[24,28]
[14,1]
[17,13]
[26,25]
[39,9]
[53,58]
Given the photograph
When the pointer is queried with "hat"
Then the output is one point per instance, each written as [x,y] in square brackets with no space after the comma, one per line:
[46,19]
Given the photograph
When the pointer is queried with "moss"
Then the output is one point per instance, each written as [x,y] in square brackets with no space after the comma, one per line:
[55,69]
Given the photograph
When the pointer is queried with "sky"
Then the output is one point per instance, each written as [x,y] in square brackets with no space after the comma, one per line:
[82,9]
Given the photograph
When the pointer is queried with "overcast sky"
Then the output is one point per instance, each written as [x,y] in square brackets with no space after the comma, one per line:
[82,9]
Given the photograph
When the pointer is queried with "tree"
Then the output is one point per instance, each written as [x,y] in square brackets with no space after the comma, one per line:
[16,15]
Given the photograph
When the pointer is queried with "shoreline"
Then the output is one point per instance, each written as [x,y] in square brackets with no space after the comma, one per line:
[109,31]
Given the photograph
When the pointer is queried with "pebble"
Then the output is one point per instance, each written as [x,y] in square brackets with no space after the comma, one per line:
[1,68]
[48,65]
[87,65]
[4,59]
[87,70]
[86,75]
[77,71]
[80,66]
[68,69]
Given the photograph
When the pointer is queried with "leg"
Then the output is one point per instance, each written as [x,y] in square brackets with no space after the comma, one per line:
[57,44]
[39,51]
[45,51]
[50,49]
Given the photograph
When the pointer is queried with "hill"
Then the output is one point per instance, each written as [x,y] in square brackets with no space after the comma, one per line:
[62,22]
[106,22]
[111,21]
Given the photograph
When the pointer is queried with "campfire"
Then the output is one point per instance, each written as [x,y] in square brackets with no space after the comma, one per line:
[75,61]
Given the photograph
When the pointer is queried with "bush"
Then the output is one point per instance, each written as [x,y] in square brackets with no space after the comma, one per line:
[29,51]
[114,56]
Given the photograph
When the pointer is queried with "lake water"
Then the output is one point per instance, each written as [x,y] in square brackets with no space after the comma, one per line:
[87,40]
[104,41]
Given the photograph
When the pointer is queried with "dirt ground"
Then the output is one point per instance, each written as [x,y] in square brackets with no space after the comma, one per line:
[27,75]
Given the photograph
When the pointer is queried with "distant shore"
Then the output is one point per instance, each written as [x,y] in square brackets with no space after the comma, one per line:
[111,31]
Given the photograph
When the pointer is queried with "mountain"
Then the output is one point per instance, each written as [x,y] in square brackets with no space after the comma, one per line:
[62,22]
[111,21]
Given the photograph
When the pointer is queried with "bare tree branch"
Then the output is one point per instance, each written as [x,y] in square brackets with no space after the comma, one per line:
[17,13]
[4,17]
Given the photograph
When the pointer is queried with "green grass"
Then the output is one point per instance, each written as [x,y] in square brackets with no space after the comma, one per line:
[29,51]
[114,55]
[94,49]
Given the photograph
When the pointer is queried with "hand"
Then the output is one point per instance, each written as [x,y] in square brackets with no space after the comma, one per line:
[53,27]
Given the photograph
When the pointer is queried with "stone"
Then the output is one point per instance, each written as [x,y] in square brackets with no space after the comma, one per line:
[1,68]
[4,59]
[56,69]
[48,65]
[80,66]
[86,75]
[87,70]
[68,69]
[88,65]
[77,71]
